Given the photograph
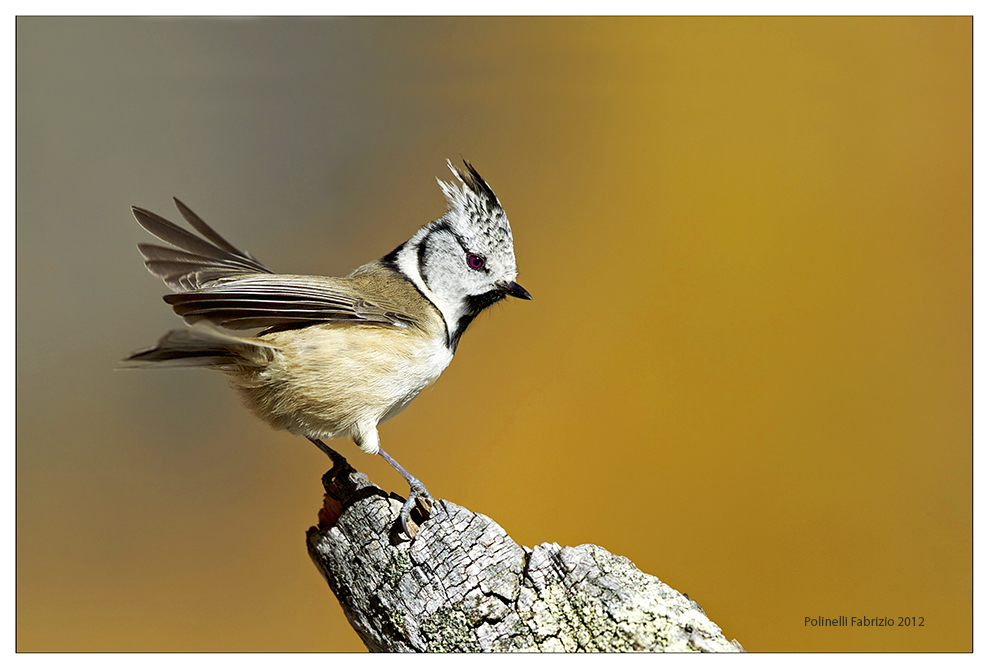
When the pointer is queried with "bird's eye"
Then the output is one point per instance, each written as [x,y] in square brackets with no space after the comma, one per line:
[475,261]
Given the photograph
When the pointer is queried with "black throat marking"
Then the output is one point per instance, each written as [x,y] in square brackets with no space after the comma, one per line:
[475,304]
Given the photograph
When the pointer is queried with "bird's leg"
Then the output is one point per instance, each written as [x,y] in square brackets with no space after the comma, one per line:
[418,496]
[330,453]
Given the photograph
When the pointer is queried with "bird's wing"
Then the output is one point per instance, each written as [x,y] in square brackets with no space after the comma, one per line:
[216,282]
[280,301]
[195,261]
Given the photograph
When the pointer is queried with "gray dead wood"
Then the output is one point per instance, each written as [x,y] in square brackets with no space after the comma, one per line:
[464,585]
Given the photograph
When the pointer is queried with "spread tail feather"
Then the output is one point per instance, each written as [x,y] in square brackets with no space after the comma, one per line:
[202,346]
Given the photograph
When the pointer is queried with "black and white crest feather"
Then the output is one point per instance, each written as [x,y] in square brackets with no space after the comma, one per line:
[477,203]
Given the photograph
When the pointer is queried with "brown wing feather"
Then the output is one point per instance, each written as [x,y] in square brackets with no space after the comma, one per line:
[276,300]
[216,282]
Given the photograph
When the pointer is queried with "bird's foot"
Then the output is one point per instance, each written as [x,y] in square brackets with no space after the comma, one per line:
[420,500]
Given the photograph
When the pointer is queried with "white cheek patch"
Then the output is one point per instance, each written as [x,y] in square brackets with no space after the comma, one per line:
[408,264]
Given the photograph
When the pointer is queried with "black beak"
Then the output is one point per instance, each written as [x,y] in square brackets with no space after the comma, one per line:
[516,290]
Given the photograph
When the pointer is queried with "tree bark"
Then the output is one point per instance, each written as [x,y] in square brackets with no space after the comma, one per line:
[464,585]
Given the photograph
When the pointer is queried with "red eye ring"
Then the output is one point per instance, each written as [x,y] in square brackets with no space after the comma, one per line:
[475,261]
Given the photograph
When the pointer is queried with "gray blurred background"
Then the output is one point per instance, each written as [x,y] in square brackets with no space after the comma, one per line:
[747,366]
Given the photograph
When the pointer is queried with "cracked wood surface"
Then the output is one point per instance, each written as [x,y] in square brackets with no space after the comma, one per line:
[464,585]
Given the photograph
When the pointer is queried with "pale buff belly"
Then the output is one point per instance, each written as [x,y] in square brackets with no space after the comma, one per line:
[340,379]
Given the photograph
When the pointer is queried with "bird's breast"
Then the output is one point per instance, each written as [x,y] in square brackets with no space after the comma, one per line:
[326,378]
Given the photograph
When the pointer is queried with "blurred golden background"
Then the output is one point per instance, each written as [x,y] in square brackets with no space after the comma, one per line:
[747,366]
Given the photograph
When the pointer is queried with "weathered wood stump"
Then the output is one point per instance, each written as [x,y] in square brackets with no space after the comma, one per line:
[464,585]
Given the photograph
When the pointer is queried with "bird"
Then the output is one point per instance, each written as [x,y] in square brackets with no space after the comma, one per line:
[335,356]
